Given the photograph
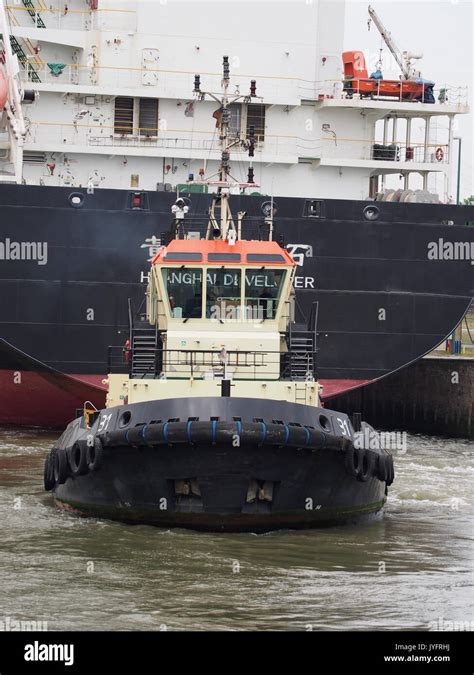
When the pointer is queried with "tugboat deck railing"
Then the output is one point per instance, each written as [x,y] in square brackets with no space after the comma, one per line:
[210,364]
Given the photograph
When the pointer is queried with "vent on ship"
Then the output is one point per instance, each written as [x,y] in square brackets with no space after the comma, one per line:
[31,157]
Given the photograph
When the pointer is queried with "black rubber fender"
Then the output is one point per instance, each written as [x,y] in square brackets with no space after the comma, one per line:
[47,474]
[95,455]
[352,460]
[60,466]
[220,432]
[366,464]
[391,470]
[78,458]
[382,467]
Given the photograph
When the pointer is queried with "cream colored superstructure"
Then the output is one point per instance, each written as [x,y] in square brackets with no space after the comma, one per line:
[199,352]
[122,390]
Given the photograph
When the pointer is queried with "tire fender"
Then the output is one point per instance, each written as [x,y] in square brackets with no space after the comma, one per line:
[78,458]
[95,455]
[60,466]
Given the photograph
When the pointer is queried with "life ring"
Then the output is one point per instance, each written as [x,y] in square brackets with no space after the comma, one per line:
[60,466]
[78,458]
[439,154]
[95,454]
[47,474]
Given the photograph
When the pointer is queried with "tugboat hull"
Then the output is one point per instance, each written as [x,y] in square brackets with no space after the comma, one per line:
[218,467]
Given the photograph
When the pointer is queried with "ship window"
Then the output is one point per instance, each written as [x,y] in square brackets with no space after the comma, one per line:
[185,256]
[223,294]
[314,208]
[148,117]
[265,257]
[256,119]
[224,257]
[235,119]
[184,292]
[123,118]
[262,292]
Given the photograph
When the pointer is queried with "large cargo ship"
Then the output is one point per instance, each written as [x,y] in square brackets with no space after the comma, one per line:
[91,169]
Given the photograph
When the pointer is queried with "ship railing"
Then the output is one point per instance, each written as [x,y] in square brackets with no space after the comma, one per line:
[80,133]
[201,364]
[397,151]
[196,227]
[164,83]
[42,15]
[356,88]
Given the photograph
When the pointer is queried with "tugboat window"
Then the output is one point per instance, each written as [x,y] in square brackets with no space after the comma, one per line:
[184,292]
[223,294]
[262,292]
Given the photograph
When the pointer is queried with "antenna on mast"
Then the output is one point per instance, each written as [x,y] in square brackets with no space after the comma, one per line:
[221,224]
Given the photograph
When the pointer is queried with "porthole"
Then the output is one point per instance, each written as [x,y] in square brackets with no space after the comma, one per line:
[76,199]
[371,212]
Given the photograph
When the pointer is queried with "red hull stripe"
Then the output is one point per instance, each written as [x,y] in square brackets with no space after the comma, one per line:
[31,399]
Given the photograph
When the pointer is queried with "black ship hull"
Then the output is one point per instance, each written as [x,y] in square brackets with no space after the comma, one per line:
[229,473]
[382,302]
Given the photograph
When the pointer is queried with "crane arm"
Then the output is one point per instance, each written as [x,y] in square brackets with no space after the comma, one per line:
[397,54]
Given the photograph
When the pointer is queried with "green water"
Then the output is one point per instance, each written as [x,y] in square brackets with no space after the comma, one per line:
[407,571]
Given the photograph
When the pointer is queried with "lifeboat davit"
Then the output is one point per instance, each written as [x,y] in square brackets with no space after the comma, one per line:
[357,81]
[3,90]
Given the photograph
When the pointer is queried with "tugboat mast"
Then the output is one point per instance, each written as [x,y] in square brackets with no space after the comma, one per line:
[221,224]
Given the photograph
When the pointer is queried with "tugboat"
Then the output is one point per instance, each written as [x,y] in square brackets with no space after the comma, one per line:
[213,418]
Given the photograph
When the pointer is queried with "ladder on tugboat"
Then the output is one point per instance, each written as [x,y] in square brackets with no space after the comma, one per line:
[301,356]
[143,338]
[144,352]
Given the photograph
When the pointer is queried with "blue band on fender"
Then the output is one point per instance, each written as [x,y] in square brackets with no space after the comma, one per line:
[165,431]
[143,434]
[214,427]
[287,433]
[188,430]
[264,432]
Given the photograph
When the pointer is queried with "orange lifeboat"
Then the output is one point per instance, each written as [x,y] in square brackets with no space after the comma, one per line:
[357,81]
[3,89]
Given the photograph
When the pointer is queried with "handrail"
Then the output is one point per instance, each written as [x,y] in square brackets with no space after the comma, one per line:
[345,88]
[130,320]
[195,362]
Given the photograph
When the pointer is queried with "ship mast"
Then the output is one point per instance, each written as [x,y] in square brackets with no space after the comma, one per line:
[221,224]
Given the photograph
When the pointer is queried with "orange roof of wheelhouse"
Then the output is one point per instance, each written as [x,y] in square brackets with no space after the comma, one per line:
[211,247]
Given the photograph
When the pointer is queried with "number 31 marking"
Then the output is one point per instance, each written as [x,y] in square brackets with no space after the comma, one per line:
[344,426]
[104,423]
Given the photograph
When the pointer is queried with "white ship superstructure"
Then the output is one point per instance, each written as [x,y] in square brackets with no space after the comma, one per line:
[114,106]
